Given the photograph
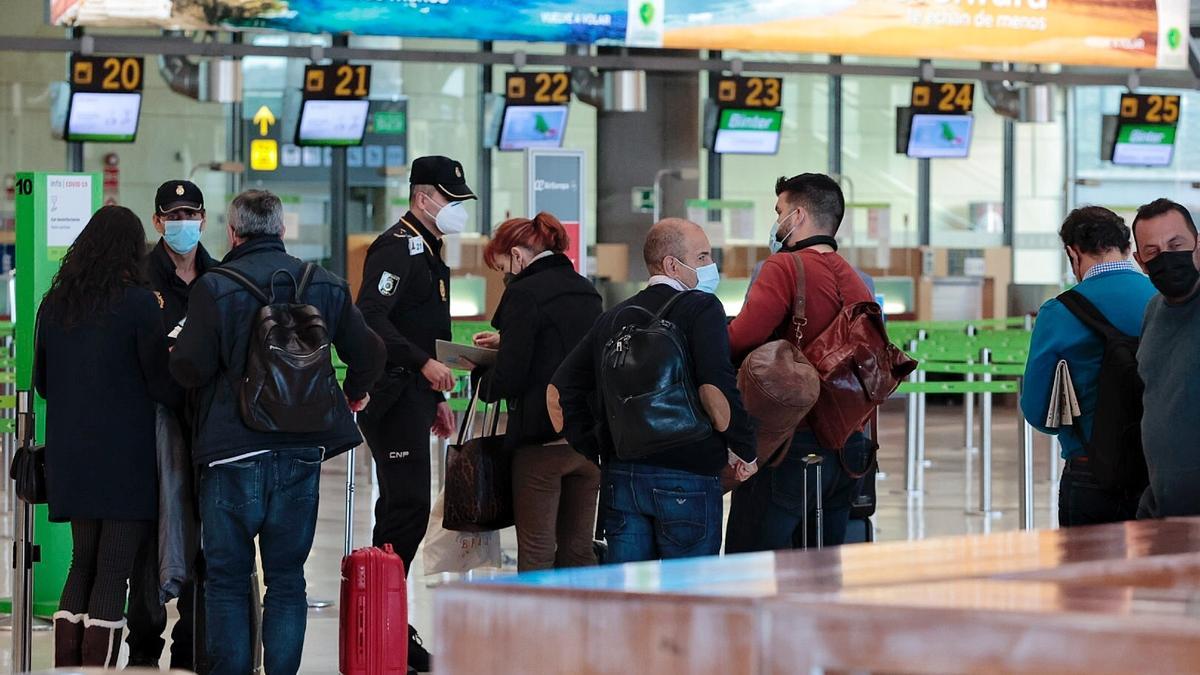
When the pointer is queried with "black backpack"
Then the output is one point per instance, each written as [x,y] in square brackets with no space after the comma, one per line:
[1115,450]
[646,386]
[289,383]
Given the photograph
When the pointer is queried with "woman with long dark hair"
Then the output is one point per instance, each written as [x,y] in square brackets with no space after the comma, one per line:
[101,364]
[545,311]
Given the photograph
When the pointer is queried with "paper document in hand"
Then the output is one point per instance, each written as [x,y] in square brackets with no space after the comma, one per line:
[456,355]
[1064,405]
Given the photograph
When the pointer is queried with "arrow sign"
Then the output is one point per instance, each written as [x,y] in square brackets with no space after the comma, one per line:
[264,118]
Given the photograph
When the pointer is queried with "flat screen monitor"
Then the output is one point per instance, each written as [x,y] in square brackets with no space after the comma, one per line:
[332,122]
[95,117]
[1144,145]
[533,126]
[940,136]
[748,132]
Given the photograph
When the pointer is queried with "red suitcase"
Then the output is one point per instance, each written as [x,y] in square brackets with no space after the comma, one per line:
[374,614]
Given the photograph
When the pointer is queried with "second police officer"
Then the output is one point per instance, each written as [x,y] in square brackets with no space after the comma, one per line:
[405,298]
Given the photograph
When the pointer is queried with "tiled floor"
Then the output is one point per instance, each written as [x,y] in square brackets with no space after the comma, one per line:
[942,510]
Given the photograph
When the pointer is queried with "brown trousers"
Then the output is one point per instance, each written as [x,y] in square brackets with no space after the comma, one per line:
[554,500]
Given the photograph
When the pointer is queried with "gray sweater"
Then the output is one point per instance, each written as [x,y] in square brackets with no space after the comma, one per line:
[1169,363]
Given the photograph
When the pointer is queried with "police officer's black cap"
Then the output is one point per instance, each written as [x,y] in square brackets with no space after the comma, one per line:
[178,194]
[444,174]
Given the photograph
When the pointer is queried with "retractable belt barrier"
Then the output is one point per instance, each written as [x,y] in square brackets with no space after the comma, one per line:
[981,352]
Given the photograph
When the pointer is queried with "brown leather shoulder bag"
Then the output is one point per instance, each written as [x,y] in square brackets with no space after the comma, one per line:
[778,384]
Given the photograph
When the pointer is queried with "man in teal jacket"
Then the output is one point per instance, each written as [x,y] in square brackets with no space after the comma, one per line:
[1097,243]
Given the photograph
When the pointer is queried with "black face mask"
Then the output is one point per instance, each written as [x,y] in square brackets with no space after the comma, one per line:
[1173,273]
[508,277]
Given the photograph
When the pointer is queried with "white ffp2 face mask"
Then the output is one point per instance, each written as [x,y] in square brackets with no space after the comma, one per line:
[452,218]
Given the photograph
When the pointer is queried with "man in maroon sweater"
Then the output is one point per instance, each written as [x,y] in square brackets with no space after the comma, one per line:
[768,509]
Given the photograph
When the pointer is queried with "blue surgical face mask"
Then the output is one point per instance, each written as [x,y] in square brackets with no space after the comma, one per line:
[182,235]
[708,277]
[774,242]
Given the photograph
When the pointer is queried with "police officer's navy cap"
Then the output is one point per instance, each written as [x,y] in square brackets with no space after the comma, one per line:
[443,173]
[178,194]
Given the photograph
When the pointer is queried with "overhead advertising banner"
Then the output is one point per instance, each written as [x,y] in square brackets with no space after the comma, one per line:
[576,22]
[1116,33]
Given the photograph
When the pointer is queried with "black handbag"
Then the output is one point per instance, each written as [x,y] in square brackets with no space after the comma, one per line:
[28,472]
[479,495]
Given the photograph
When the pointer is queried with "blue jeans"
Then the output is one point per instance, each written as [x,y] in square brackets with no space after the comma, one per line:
[767,510]
[272,496]
[652,513]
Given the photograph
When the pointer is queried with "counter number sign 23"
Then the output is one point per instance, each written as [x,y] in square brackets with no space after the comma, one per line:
[749,92]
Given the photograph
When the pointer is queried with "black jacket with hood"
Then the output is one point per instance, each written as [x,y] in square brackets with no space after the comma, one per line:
[545,311]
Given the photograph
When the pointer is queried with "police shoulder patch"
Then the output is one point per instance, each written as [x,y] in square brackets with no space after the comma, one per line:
[388,284]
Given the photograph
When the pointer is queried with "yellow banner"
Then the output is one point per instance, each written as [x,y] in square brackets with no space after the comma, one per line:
[1118,33]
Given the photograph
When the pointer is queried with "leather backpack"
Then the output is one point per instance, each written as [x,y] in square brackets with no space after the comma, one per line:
[650,399]
[859,368]
[778,384]
[289,383]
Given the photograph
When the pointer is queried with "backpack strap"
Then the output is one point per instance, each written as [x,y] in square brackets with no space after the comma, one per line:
[799,301]
[662,312]
[244,282]
[306,275]
[1086,312]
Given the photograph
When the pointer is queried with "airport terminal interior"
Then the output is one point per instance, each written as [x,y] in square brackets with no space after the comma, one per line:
[960,134]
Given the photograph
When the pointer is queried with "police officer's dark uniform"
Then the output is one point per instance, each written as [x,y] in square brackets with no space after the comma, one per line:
[405,298]
[147,616]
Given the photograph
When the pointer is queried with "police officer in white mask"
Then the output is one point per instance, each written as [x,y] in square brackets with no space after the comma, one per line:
[405,298]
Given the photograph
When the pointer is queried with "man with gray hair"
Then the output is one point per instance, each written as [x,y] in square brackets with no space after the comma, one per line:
[257,483]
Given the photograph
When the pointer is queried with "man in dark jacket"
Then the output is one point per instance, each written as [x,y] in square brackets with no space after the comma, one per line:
[255,483]
[669,504]
[172,268]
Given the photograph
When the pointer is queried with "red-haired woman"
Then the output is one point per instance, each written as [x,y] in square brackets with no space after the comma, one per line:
[546,310]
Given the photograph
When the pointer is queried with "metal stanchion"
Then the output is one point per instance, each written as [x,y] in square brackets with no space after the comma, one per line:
[348,540]
[921,400]
[910,433]
[1025,465]
[25,554]
[969,406]
[985,458]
